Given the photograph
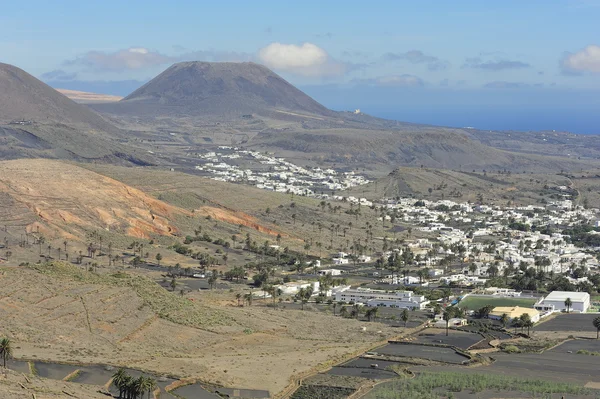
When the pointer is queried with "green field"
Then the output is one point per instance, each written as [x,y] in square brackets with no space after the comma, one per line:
[477,302]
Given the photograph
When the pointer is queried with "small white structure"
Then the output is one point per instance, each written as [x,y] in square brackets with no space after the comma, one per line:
[453,322]
[435,272]
[580,301]
[331,272]
[340,261]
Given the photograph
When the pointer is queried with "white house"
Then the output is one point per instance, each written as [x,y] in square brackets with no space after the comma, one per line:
[580,301]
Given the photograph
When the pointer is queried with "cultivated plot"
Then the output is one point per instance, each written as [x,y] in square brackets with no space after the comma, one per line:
[460,339]
[576,322]
[370,373]
[438,354]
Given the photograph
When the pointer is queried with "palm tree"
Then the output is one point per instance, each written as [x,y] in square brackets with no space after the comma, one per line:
[5,350]
[447,316]
[446,292]
[150,385]
[372,313]
[248,298]
[118,380]
[139,386]
[343,311]
[596,323]
[568,304]
[127,386]
[504,319]
[404,316]
[526,321]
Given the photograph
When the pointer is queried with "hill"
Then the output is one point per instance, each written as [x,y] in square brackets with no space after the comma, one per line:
[204,88]
[493,186]
[38,121]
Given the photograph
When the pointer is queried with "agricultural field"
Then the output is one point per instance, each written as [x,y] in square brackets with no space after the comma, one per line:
[473,302]
[569,324]
[475,385]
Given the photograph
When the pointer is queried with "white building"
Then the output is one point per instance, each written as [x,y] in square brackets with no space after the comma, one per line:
[293,287]
[340,261]
[331,272]
[580,301]
[393,299]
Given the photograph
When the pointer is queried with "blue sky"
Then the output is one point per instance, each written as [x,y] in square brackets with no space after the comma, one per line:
[416,60]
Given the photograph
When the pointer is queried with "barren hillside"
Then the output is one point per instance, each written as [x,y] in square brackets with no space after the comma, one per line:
[64,314]
[204,88]
[38,121]
[62,199]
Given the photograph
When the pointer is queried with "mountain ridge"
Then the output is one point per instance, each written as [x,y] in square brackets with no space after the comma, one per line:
[38,121]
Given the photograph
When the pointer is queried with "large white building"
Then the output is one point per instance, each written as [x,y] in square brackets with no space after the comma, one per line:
[555,301]
[393,299]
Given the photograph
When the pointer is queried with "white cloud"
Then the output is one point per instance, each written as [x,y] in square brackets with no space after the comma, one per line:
[586,60]
[307,59]
[128,59]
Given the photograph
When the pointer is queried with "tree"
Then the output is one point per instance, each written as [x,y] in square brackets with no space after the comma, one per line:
[526,322]
[472,268]
[173,284]
[504,319]
[118,379]
[344,311]
[596,323]
[212,280]
[248,298]
[404,316]
[158,258]
[5,350]
[304,295]
[238,296]
[372,313]
[150,385]
[446,292]
[447,316]
[568,304]
[516,323]
[485,311]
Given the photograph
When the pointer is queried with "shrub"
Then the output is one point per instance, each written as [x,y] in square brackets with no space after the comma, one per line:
[511,349]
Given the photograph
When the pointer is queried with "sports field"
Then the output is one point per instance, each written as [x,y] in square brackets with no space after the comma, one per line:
[476,302]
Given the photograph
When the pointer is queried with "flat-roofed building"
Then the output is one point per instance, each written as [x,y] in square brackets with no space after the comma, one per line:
[393,299]
[514,312]
[580,301]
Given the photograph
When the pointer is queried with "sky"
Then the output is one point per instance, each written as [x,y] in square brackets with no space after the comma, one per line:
[510,65]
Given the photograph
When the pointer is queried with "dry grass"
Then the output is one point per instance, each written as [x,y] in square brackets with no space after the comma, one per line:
[130,321]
